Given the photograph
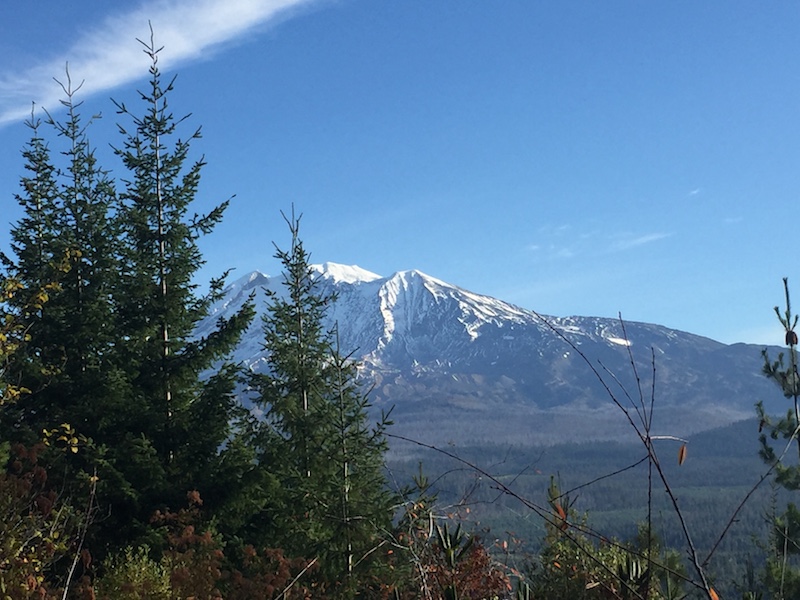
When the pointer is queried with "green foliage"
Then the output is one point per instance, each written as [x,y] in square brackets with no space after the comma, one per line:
[782,572]
[133,575]
[784,372]
[65,243]
[194,565]
[112,352]
[574,565]
[315,439]
[429,558]
[13,335]
[37,528]
[158,308]
[175,422]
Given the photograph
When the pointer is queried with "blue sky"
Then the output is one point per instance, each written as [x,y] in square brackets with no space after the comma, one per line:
[576,158]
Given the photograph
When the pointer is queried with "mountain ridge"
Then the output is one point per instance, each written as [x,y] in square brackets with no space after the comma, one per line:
[452,360]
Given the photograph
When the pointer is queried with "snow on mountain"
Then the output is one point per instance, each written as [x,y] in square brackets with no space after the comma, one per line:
[344,273]
[440,353]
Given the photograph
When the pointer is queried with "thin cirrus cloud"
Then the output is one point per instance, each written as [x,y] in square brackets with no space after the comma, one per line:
[560,248]
[634,242]
[108,56]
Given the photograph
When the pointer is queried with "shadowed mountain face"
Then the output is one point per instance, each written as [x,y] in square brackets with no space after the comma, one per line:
[458,366]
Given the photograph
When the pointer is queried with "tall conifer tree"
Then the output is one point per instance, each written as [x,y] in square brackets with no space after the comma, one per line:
[315,437]
[177,420]
[782,574]
[66,245]
[66,237]
[32,264]
[113,351]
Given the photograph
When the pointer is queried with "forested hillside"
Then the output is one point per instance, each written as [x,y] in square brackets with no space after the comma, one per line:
[132,468]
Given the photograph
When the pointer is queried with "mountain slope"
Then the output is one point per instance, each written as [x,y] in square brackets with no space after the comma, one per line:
[459,366]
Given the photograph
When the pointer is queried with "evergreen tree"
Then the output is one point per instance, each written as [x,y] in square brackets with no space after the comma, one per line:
[32,236]
[33,262]
[66,238]
[315,438]
[180,404]
[112,352]
[65,254]
[783,563]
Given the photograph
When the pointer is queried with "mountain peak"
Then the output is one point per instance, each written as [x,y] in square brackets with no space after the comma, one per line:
[344,273]
[247,282]
[404,278]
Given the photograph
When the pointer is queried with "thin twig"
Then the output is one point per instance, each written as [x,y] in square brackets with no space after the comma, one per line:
[635,371]
[299,575]
[545,514]
[752,490]
[606,476]
[644,437]
[83,532]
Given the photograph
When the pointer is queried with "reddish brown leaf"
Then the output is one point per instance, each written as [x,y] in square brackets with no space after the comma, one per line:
[562,516]
[682,454]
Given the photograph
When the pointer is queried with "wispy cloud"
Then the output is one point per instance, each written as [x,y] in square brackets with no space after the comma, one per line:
[563,252]
[564,242]
[555,241]
[108,56]
[633,242]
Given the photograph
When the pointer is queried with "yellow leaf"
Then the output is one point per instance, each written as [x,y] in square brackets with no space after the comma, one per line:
[712,594]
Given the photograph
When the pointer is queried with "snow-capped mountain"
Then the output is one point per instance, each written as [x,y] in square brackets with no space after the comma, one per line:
[461,366]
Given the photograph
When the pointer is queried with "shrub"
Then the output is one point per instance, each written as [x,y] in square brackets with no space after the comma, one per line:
[36,526]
